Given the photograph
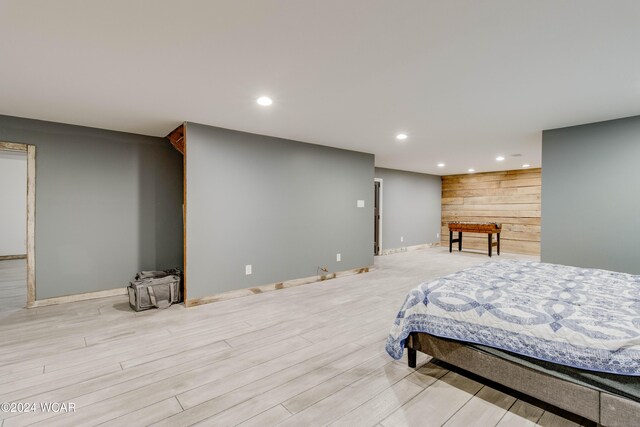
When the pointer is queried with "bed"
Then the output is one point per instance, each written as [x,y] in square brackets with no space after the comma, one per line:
[565,335]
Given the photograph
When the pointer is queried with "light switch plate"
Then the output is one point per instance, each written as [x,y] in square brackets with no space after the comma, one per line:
[360,204]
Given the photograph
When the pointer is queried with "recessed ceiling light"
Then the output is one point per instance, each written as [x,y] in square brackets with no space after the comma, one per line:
[265,101]
[472,170]
[440,165]
[526,165]
[401,136]
[500,158]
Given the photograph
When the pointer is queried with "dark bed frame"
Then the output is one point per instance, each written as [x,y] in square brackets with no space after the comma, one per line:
[591,403]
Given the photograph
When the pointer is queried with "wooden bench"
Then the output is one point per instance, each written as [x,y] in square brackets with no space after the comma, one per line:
[490,228]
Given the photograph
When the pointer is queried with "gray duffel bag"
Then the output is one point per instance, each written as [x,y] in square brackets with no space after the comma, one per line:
[158,292]
[158,273]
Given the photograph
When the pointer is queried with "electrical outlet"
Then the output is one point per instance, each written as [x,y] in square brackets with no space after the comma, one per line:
[401,238]
[437,235]
[360,203]
[338,257]
[247,269]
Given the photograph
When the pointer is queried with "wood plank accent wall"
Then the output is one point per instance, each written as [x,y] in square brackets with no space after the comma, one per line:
[511,198]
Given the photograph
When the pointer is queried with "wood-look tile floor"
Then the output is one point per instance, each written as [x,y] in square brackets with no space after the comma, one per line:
[13,288]
[305,356]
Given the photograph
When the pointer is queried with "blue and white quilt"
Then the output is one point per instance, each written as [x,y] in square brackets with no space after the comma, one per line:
[584,318]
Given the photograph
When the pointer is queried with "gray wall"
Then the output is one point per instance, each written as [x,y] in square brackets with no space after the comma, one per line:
[282,206]
[108,204]
[591,195]
[411,208]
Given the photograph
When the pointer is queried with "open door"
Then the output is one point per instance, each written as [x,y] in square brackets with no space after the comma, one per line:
[24,184]
[178,138]
[377,188]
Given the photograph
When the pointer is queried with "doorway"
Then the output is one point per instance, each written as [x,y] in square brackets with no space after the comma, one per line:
[377,216]
[17,227]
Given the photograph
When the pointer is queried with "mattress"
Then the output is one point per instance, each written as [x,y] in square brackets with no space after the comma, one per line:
[587,319]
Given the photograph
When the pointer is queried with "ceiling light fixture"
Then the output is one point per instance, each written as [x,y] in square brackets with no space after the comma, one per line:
[265,101]
[500,158]
[526,165]
[472,170]
[440,165]
[401,136]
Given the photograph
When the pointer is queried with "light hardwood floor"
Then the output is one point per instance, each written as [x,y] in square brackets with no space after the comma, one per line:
[13,286]
[310,355]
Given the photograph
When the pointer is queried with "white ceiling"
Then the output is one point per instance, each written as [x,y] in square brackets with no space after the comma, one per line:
[466,80]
